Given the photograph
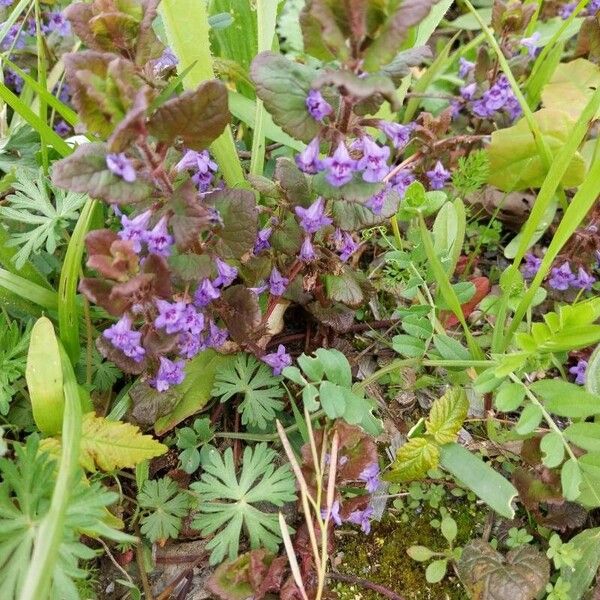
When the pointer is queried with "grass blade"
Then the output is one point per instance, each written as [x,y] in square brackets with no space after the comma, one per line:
[27,290]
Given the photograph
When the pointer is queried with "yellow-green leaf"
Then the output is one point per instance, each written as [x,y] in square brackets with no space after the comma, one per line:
[447,416]
[413,460]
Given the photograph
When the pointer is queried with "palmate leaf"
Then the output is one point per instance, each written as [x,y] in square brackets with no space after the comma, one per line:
[43,221]
[164,505]
[227,500]
[260,389]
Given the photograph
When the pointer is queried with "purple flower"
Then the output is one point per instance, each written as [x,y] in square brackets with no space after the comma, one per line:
[398,134]
[14,81]
[579,371]
[513,108]
[377,201]
[308,160]
[169,373]
[159,240]
[14,38]
[167,60]
[122,337]
[205,293]
[262,240]
[62,128]
[58,23]
[216,336]
[170,316]
[135,230]
[362,518]
[334,515]
[340,166]
[566,10]
[438,176]
[370,476]
[313,218]
[584,281]
[121,166]
[468,91]
[531,43]
[277,283]
[278,360]
[401,180]
[495,98]
[348,246]
[592,8]
[226,274]
[561,278]
[191,320]
[307,251]
[201,164]
[189,344]
[464,67]
[531,266]
[374,160]
[6,2]
[318,108]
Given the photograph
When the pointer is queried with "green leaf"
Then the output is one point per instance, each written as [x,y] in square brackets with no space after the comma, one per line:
[514,160]
[228,502]
[283,86]
[571,479]
[417,326]
[479,477]
[163,507]
[254,381]
[419,553]
[584,435]
[436,570]
[85,171]
[197,117]
[529,420]
[332,399]
[582,575]
[449,529]
[509,397]
[592,373]
[447,415]
[44,378]
[413,460]
[449,348]
[408,345]
[553,448]
[335,366]
[520,575]
[566,399]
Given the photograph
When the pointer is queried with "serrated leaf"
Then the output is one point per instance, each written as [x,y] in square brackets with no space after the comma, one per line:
[197,117]
[447,415]
[407,345]
[413,460]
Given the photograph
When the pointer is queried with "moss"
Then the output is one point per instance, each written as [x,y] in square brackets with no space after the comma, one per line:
[381,556]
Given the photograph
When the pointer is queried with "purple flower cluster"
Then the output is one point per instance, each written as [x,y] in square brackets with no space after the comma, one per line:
[126,339]
[578,371]
[158,240]
[56,22]
[562,278]
[201,165]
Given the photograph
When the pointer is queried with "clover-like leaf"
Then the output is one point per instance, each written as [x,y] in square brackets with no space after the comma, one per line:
[488,575]
[196,117]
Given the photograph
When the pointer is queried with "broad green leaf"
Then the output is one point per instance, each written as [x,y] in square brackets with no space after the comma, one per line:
[571,86]
[408,345]
[112,445]
[553,448]
[592,373]
[417,326]
[44,378]
[584,435]
[566,399]
[488,575]
[529,420]
[571,479]
[515,163]
[335,366]
[413,460]
[479,477]
[509,397]
[582,575]
[449,348]
[449,529]
[447,416]
[419,553]
[436,570]
[445,231]
[332,399]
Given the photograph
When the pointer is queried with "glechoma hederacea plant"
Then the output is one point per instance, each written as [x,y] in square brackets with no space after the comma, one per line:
[440,188]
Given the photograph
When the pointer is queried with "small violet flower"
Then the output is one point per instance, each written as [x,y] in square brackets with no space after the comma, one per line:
[216,336]
[166,60]
[121,166]
[191,320]
[159,240]
[57,22]
[307,251]
[135,230]
[262,240]
[62,128]
[122,337]
[467,92]
[362,518]
[531,43]
[376,201]
[579,371]
[465,67]
[170,316]
[531,266]
[584,281]
[277,283]
[561,278]
[438,176]
[398,134]
[566,10]
[370,476]
[308,160]
[317,106]
[205,293]
[340,166]
[226,274]
[189,345]
[348,246]
[374,160]
[313,218]
[278,360]
[201,164]
[401,181]
[169,373]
